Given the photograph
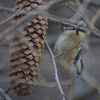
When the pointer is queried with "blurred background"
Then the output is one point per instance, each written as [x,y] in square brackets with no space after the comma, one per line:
[87,90]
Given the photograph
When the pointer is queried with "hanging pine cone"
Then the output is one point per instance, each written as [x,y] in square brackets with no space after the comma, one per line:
[25,51]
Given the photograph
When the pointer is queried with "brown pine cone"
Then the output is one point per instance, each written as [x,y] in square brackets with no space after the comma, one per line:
[26,49]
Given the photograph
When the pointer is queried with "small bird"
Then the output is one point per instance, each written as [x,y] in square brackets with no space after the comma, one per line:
[71,62]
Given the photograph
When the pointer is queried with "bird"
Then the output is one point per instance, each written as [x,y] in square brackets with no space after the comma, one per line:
[71,62]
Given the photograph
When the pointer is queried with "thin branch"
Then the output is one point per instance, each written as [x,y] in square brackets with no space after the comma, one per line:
[95,18]
[29,16]
[8,90]
[8,10]
[81,9]
[56,20]
[63,21]
[91,26]
[55,69]
[67,50]
[59,20]
[12,16]
[4,95]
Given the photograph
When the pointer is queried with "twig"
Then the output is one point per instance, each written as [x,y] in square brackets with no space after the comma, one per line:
[91,26]
[8,10]
[4,95]
[67,50]
[8,90]
[13,14]
[81,9]
[95,18]
[29,16]
[39,10]
[75,12]
[64,22]
[55,69]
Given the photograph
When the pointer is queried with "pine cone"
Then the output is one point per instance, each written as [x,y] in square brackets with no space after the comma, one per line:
[25,51]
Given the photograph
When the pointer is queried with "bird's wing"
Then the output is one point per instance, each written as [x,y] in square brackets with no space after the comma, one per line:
[79,53]
[77,62]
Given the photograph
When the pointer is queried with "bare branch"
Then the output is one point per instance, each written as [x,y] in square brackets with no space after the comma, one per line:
[95,18]
[91,26]
[40,10]
[13,14]
[30,15]
[64,22]
[55,69]
[8,90]
[4,95]
[8,10]
[67,50]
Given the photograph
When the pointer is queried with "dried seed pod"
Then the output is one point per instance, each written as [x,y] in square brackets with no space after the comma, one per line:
[26,51]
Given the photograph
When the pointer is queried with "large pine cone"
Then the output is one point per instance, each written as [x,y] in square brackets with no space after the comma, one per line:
[26,49]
